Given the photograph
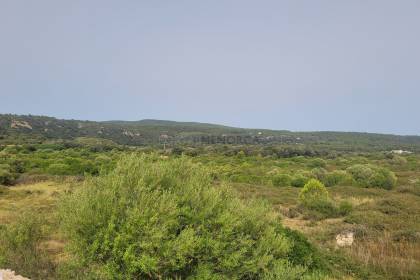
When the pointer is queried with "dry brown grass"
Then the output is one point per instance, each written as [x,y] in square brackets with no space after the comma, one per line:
[40,197]
[355,201]
[381,220]
[389,256]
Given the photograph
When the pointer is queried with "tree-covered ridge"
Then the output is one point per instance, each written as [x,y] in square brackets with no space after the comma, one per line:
[27,128]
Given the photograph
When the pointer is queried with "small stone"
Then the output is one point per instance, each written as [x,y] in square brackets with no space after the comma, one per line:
[345,239]
[8,274]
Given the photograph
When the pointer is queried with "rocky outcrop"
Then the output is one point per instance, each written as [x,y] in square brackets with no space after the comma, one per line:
[20,124]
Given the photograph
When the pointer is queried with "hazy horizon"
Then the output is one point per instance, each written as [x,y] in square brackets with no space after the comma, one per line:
[324,66]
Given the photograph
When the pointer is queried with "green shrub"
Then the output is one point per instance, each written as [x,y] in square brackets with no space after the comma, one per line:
[317,162]
[315,198]
[299,181]
[5,166]
[17,166]
[384,179]
[399,160]
[59,169]
[102,158]
[177,150]
[6,177]
[345,208]
[320,209]
[281,180]
[20,250]
[370,176]
[245,178]
[158,219]
[301,249]
[316,202]
[319,173]
[335,178]
[361,174]
[313,191]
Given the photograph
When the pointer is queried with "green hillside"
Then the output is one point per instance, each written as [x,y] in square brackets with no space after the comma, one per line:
[28,128]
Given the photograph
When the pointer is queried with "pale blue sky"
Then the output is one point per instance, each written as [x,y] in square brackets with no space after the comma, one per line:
[297,65]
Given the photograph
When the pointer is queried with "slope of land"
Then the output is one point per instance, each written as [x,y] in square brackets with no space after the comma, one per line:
[23,128]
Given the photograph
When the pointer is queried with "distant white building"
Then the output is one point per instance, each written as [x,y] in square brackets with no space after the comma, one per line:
[401,152]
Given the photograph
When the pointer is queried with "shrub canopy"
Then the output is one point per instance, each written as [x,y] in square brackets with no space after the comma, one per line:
[335,178]
[281,180]
[157,219]
[314,191]
[374,177]
[299,181]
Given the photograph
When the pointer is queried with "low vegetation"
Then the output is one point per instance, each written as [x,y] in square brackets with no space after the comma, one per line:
[92,209]
[150,219]
[371,176]
[20,247]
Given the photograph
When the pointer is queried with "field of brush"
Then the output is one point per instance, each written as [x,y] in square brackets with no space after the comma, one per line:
[375,196]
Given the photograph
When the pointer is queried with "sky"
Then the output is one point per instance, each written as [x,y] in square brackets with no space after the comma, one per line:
[297,65]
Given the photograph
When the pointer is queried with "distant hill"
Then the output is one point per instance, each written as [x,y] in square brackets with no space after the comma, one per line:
[146,132]
[151,122]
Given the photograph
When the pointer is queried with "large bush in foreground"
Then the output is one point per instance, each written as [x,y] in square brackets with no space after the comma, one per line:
[160,219]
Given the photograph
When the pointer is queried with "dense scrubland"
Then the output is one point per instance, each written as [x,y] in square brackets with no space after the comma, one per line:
[21,129]
[88,208]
